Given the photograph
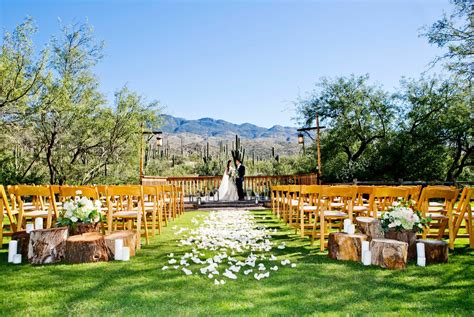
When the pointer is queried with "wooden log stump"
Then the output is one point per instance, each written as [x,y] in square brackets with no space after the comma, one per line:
[129,238]
[404,236]
[47,245]
[436,251]
[390,254]
[85,248]
[346,247]
[81,228]
[370,227]
[23,239]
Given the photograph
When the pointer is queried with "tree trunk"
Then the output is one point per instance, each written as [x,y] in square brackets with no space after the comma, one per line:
[81,228]
[23,239]
[85,248]
[370,227]
[390,254]
[129,238]
[47,245]
[435,251]
[346,247]
[405,236]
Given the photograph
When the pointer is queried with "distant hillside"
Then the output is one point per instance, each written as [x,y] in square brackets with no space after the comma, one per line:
[208,127]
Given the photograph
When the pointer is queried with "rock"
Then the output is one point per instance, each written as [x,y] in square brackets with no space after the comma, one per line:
[346,247]
[370,227]
[47,245]
[390,254]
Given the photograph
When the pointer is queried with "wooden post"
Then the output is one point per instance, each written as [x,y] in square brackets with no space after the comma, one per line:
[318,147]
[141,152]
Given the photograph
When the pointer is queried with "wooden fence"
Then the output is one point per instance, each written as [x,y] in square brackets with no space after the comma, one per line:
[204,184]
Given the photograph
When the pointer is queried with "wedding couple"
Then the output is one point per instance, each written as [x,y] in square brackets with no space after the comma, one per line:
[230,189]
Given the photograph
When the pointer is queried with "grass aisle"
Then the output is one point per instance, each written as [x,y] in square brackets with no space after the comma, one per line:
[317,285]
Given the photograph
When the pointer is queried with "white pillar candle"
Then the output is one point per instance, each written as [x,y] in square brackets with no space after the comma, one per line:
[30,227]
[12,250]
[352,229]
[17,259]
[367,258]
[118,249]
[421,261]
[347,223]
[365,246]
[38,223]
[125,254]
[420,250]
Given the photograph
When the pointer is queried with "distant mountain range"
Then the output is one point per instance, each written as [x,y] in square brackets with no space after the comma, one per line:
[208,127]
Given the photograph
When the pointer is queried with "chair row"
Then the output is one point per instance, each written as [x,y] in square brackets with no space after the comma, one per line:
[143,208]
[316,210]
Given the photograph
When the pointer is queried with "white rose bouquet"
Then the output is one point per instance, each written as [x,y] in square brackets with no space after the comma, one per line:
[80,210]
[401,217]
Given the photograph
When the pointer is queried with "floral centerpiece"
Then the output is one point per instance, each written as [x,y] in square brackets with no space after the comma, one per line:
[402,223]
[80,215]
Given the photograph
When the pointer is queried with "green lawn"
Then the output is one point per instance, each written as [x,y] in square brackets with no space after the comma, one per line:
[316,286]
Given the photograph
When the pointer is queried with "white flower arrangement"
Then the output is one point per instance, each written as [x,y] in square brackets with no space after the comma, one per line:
[401,217]
[80,210]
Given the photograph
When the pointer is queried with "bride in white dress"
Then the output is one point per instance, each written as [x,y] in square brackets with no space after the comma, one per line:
[228,189]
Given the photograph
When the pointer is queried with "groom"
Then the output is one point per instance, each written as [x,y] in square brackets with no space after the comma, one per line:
[239,181]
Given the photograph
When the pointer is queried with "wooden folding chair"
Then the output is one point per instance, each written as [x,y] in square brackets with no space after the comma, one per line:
[126,203]
[153,207]
[328,214]
[309,207]
[361,205]
[35,202]
[383,197]
[463,211]
[292,203]
[443,216]
[5,210]
[169,200]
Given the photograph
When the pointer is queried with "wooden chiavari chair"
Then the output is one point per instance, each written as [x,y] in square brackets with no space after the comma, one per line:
[126,203]
[35,202]
[441,218]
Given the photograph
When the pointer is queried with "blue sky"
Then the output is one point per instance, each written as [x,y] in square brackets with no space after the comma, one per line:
[241,61]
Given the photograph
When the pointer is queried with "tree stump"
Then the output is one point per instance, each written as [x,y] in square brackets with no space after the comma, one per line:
[129,238]
[23,239]
[436,251]
[370,227]
[47,245]
[85,248]
[80,228]
[408,236]
[390,254]
[346,247]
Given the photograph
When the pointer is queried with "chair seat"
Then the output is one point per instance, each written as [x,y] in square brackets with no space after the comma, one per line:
[436,204]
[334,213]
[360,208]
[435,209]
[125,213]
[437,216]
[309,208]
[14,212]
[295,202]
[337,205]
[36,213]
[149,204]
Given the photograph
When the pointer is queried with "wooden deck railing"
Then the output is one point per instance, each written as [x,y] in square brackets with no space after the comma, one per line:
[204,184]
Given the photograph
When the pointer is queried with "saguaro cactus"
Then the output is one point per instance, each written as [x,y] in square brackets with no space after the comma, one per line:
[239,152]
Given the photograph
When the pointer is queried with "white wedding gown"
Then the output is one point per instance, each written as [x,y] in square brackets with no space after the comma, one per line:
[228,189]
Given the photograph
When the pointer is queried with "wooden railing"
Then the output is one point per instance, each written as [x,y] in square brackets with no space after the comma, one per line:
[204,184]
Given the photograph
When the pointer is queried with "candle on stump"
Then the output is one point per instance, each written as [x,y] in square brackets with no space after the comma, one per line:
[118,249]
[347,223]
[421,261]
[352,229]
[30,227]
[17,259]
[125,254]
[12,250]
[365,246]
[420,249]
[367,257]
[38,223]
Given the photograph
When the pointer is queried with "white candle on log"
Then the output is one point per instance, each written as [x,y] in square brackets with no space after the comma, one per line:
[421,261]
[30,227]
[352,229]
[367,258]
[125,254]
[420,249]
[347,223]
[17,259]
[12,250]
[365,246]
[38,223]
[118,249]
